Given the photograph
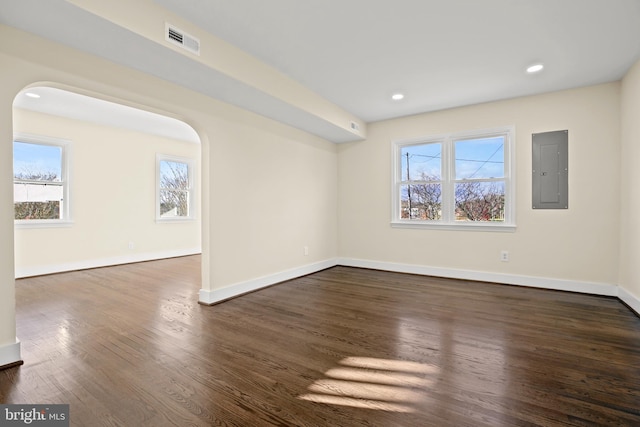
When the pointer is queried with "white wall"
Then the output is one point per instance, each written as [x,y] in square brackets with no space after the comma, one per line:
[575,245]
[630,191]
[113,196]
[267,189]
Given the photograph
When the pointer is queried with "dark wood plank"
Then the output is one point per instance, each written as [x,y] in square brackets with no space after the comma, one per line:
[130,345]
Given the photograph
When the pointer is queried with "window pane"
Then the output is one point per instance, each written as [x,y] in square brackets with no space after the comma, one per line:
[37,201]
[174,175]
[480,158]
[421,201]
[37,210]
[174,203]
[30,192]
[480,201]
[421,162]
[37,162]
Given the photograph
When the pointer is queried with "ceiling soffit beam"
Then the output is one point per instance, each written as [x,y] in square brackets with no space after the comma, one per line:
[221,71]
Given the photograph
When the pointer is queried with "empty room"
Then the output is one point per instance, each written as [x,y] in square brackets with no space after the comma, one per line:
[360,213]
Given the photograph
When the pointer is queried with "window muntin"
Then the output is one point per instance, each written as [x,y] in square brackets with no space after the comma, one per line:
[456,181]
[175,188]
[40,184]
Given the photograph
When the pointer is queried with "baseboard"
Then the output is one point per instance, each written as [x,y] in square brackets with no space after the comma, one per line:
[102,262]
[632,301]
[218,295]
[508,279]
[10,355]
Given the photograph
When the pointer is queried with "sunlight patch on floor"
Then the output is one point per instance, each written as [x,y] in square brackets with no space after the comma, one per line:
[390,378]
[356,403]
[366,382]
[389,365]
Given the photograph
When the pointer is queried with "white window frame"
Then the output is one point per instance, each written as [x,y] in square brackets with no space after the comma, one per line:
[191,190]
[448,222]
[65,179]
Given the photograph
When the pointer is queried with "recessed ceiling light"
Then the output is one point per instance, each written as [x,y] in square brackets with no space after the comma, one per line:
[535,68]
[397,96]
[32,95]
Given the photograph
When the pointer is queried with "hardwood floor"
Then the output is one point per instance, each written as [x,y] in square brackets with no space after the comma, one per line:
[130,346]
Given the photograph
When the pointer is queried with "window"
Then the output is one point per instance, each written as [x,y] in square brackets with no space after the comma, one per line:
[40,181]
[455,181]
[175,188]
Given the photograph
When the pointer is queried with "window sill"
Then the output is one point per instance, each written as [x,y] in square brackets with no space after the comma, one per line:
[174,220]
[425,225]
[23,224]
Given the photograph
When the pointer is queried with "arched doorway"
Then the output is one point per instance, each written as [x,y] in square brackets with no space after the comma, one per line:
[105,209]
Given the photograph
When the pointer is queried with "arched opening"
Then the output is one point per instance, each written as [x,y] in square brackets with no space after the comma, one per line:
[88,183]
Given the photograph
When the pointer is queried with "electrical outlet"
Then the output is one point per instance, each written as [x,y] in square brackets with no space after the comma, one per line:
[305,250]
[504,256]
[131,245]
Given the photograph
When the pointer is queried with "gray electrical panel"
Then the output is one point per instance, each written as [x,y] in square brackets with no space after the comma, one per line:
[551,170]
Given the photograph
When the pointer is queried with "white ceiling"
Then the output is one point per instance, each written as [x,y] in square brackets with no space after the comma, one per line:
[80,107]
[440,54]
[357,53]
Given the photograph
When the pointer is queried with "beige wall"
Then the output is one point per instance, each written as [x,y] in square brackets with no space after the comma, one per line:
[7,288]
[578,244]
[630,189]
[275,195]
[267,189]
[113,196]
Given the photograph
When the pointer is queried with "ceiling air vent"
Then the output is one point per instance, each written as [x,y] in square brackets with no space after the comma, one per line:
[182,39]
